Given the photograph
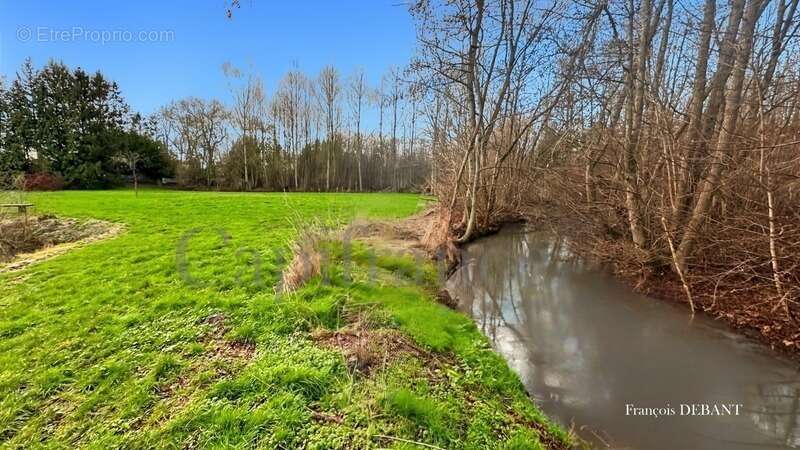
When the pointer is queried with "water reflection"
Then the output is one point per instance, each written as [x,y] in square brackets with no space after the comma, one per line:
[585,347]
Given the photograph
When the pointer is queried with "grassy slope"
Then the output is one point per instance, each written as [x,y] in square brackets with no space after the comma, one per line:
[107,346]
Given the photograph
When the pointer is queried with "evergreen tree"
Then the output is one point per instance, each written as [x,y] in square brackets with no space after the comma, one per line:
[3,127]
[52,92]
[19,144]
[71,123]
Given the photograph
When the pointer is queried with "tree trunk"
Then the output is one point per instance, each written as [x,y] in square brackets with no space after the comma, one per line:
[634,115]
[726,135]
[135,181]
[695,111]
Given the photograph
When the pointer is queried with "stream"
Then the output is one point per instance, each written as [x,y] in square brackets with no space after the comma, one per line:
[623,370]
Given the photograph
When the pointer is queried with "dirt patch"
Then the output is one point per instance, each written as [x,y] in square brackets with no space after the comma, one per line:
[169,389]
[400,236]
[424,235]
[322,416]
[409,229]
[545,437]
[365,349]
[26,241]
[218,349]
[57,410]
[443,297]
[224,349]
[222,355]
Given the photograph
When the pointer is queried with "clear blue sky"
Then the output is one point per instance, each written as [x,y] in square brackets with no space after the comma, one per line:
[269,36]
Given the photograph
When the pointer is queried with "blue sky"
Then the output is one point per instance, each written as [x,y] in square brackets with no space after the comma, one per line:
[268,36]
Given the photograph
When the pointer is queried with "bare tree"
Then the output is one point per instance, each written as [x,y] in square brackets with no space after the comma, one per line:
[197,130]
[247,112]
[131,157]
[356,95]
[330,89]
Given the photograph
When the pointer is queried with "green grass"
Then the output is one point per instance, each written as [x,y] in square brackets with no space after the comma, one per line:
[114,345]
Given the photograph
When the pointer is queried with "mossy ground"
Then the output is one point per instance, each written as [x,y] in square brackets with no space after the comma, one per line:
[171,335]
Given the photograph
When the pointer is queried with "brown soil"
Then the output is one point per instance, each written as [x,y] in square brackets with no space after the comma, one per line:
[224,349]
[26,241]
[444,297]
[545,437]
[366,349]
[405,236]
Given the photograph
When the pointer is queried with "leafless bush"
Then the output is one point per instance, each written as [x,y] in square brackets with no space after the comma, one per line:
[673,158]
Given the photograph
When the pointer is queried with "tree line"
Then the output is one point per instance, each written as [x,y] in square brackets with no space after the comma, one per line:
[74,126]
[308,135]
[666,133]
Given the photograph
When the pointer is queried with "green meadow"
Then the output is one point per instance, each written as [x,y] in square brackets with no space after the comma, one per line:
[171,335]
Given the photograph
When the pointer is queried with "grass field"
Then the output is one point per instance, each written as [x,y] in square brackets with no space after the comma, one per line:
[126,343]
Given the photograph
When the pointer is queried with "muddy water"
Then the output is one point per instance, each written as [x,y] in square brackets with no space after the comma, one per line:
[591,352]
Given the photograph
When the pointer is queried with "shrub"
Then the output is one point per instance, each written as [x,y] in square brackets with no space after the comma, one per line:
[42,182]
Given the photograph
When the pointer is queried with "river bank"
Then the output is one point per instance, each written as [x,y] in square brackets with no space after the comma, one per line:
[406,247]
[624,370]
[745,307]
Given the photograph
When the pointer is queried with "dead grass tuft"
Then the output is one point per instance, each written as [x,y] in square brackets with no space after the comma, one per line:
[306,260]
[365,349]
